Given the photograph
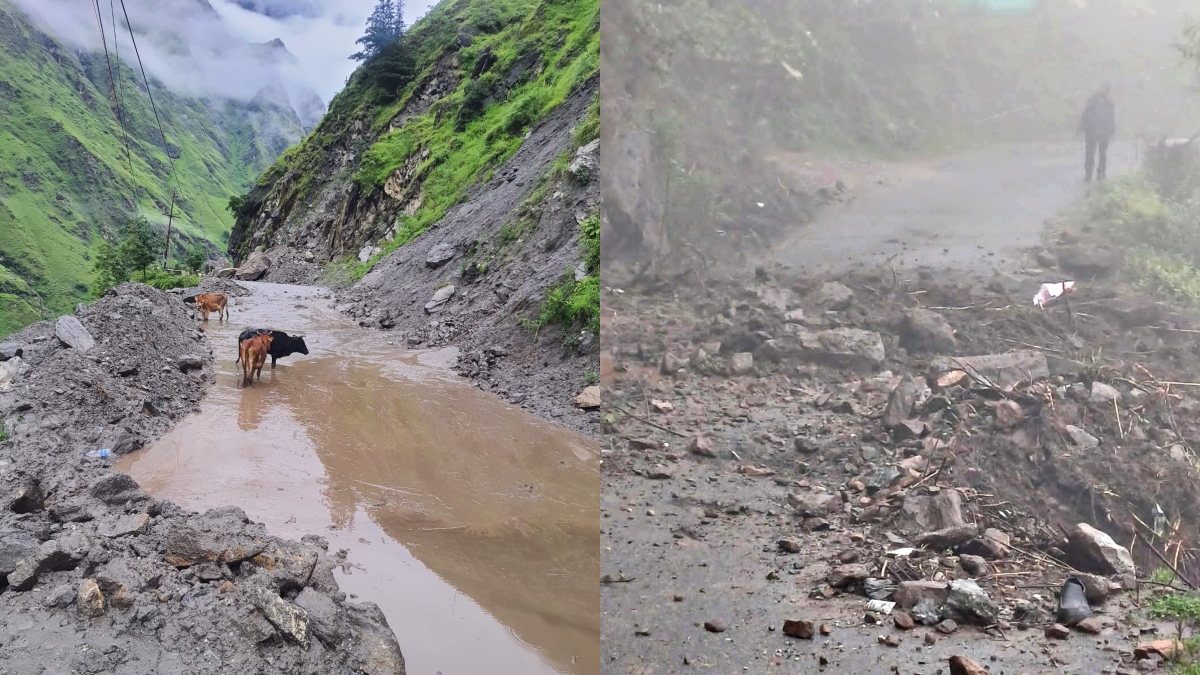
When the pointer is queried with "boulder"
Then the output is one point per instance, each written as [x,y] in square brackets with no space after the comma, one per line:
[290,620]
[851,348]
[1081,438]
[133,523]
[935,512]
[940,540]
[1003,370]
[814,503]
[901,402]
[961,665]
[226,273]
[254,268]
[586,163]
[834,296]
[741,363]
[322,614]
[89,599]
[846,575]
[1090,550]
[15,547]
[10,370]
[187,546]
[909,593]
[10,350]
[925,330]
[56,555]
[440,297]
[116,489]
[439,255]
[589,398]
[1008,414]
[72,334]
[967,602]
[189,362]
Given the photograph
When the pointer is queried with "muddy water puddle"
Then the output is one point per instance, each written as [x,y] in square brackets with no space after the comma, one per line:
[472,524]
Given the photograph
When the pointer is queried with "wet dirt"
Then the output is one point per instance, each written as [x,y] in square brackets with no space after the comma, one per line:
[471,523]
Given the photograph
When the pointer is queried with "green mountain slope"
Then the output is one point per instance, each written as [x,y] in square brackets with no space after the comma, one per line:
[65,180]
[421,124]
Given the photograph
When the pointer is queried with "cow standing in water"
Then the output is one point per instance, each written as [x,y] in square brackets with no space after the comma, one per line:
[212,302]
[282,344]
[253,354]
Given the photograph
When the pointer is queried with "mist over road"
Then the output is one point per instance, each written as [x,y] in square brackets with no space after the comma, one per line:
[971,212]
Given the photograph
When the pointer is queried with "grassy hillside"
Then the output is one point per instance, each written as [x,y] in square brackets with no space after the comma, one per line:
[65,180]
[539,52]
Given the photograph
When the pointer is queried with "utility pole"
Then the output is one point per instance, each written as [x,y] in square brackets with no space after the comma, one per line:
[170,217]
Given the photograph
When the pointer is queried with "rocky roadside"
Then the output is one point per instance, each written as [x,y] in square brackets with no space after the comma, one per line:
[787,457]
[95,575]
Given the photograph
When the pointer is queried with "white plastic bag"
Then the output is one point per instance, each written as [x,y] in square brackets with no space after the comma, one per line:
[1050,291]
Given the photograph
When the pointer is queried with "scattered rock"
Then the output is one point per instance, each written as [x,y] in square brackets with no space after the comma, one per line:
[741,363]
[9,350]
[1058,632]
[798,629]
[1090,550]
[589,398]
[973,565]
[439,255]
[1009,414]
[1003,370]
[72,334]
[946,627]
[660,472]
[1092,624]
[124,525]
[834,296]
[850,348]
[925,330]
[961,665]
[1104,393]
[909,593]
[813,503]
[440,297]
[1081,438]
[289,620]
[901,402]
[189,362]
[90,600]
[1095,587]
[930,639]
[846,575]
[789,546]
[702,446]
[949,537]
[714,626]
[1162,648]
[969,603]
[661,406]
[903,620]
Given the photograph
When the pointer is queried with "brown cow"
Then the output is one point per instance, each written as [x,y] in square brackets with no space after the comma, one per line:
[253,354]
[212,302]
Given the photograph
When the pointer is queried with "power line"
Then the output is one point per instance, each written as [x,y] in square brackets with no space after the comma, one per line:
[117,87]
[161,132]
[112,88]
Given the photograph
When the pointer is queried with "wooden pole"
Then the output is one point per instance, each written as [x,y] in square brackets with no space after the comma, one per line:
[170,217]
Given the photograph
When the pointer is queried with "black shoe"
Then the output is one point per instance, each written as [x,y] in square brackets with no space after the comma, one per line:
[1072,603]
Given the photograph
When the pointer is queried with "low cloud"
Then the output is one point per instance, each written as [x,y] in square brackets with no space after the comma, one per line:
[208,49]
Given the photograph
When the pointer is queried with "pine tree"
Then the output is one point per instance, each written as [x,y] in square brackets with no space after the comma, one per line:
[384,26]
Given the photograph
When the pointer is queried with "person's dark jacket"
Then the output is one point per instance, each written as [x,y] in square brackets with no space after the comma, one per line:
[1099,117]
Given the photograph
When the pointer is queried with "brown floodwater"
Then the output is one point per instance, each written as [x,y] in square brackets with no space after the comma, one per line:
[473,524]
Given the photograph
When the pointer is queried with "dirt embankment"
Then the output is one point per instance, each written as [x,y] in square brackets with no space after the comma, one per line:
[801,443]
[99,577]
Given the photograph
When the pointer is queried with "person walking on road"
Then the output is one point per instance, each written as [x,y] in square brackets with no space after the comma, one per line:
[1098,125]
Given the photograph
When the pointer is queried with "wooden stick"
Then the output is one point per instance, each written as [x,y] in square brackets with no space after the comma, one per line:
[1164,560]
[646,421]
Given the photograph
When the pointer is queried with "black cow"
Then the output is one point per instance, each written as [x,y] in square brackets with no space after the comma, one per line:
[282,344]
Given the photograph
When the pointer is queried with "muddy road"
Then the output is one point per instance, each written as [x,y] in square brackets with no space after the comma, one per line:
[471,523]
[973,211]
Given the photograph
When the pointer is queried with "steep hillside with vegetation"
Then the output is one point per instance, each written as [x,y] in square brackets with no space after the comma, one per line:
[452,188]
[700,97]
[66,182]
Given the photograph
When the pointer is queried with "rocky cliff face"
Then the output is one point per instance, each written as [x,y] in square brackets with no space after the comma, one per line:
[453,207]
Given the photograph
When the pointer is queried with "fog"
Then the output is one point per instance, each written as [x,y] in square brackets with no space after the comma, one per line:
[701,99]
[203,48]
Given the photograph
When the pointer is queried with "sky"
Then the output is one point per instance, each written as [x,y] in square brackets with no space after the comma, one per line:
[202,47]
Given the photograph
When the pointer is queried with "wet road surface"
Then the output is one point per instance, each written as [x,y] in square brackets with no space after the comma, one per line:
[471,523]
[976,211]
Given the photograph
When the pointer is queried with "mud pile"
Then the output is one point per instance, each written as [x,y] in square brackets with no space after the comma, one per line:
[959,436]
[98,576]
